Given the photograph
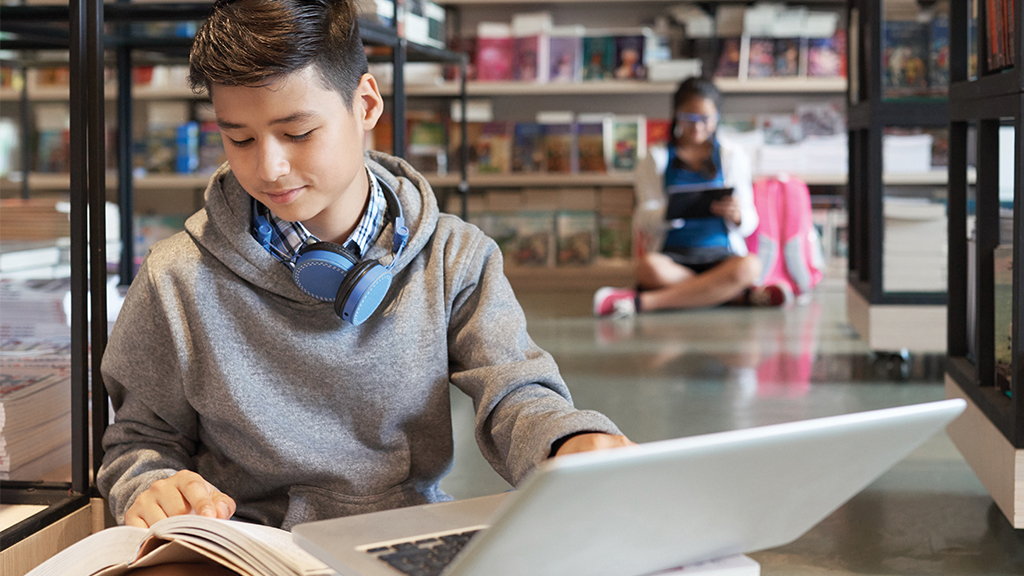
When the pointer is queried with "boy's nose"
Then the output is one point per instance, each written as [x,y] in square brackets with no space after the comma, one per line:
[273,162]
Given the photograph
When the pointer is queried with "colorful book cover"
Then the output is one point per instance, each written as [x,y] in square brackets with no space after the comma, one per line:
[1003,296]
[824,57]
[938,56]
[528,147]
[761,59]
[904,57]
[615,236]
[566,51]
[427,136]
[598,57]
[629,57]
[473,130]
[787,57]
[628,142]
[729,59]
[494,148]
[494,49]
[186,142]
[577,237]
[659,132]
[526,58]
[591,130]
[535,238]
[559,147]
[211,147]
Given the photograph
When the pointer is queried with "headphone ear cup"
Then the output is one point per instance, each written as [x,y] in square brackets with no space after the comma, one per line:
[321,268]
[361,293]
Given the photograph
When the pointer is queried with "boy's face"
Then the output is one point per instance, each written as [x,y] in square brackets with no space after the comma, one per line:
[295,147]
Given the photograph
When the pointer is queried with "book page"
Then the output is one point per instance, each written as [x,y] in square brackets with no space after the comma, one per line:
[106,548]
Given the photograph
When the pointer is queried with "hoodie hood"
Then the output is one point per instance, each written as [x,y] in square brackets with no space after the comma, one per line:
[223,227]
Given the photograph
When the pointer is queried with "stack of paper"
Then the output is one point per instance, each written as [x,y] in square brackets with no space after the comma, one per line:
[35,379]
[915,246]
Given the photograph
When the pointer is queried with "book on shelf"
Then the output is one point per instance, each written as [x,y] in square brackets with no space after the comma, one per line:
[659,132]
[598,56]
[576,226]
[528,147]
[628,142]
[760,60]
[494,148]
[535,234]
[158,152]
[826,57]
[494,51]
[565,54]
[729,58]
[53,148]
[211,148]
[905,50]
[790,56]
[530,45]
[938,55]
[503,207]
[559,141]
[615,224]
[629,57]
[426,149]
[591,131]
[1002,259]
[245,548]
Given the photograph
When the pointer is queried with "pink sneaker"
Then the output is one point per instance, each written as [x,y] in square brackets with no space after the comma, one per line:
[614,302]
[770,295]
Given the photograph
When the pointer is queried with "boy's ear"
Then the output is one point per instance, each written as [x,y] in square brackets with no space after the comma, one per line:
[368,101]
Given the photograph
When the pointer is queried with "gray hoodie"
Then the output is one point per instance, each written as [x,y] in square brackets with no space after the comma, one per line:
[220,364]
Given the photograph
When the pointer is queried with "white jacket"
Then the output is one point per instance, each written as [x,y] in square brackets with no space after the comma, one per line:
[649,226]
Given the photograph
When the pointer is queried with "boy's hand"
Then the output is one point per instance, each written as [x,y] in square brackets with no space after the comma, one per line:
[185,492]
[593,441]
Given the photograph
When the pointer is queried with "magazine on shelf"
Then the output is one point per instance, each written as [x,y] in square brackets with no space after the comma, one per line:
[729,59]
[628,142]
[790,57]
[629,57]
[904,58]
[494,148]
[760,58]
[826,57]
[494,48]
[576,226]
[565,54]
[559,141]
[528,147]
[591,131]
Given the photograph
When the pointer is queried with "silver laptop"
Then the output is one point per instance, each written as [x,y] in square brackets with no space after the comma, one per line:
[642,509]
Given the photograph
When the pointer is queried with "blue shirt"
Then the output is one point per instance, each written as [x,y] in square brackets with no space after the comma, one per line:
[287,238]
[696,232]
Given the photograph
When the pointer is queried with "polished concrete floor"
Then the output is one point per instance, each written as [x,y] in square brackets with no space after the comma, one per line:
[677,374]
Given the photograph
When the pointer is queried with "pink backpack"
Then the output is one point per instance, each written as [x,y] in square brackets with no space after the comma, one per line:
[786,240]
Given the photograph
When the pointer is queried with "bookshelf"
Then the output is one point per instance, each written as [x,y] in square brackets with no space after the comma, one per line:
[613,87]
[983,101]
[896,286]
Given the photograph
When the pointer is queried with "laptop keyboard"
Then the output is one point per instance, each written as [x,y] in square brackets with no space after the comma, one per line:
[427,557]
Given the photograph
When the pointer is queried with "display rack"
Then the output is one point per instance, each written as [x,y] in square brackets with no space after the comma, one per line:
[73,509]
[990,434]
[889,321]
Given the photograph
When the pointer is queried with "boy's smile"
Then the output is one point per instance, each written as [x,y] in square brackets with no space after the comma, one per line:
[297,148]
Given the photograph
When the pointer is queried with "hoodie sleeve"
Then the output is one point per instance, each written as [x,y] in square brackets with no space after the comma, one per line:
[522,404]
[154,433]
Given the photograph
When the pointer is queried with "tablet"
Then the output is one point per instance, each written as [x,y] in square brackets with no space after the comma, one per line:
[684,202]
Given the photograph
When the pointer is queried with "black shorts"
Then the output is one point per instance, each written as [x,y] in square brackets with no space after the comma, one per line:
[700,259]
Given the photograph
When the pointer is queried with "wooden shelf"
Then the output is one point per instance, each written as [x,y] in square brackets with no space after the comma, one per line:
[570,278]
[42,182]
[612,87]
[60,93]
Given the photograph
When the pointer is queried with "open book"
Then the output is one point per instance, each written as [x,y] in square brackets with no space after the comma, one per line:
[249,549]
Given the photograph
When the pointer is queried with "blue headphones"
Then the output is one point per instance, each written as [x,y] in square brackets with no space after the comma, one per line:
[332,273]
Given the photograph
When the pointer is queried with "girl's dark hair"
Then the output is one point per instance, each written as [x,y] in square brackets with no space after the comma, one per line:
[689,89]
[255,42]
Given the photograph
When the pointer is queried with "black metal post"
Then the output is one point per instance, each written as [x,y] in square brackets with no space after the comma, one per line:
[464,141]
[399,98]
[987,227]
[97,222]
[25,117]
[125,183]
[79,249]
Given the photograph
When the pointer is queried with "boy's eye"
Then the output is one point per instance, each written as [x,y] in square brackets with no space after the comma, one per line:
[240,143]
[300,137]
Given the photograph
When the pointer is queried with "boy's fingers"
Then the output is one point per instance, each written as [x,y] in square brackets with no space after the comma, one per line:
[199,494]
[225,505]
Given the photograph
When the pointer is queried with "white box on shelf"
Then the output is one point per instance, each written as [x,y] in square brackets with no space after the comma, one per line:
[907,153]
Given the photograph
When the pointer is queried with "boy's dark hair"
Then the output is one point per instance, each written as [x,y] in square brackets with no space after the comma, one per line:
[254,42]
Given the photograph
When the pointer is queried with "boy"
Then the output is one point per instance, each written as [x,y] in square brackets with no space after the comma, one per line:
[246,380]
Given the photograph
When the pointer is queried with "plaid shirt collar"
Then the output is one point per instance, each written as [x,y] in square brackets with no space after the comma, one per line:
[289,237]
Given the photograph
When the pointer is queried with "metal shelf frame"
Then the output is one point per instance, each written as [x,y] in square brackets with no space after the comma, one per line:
[991,100]
[80,28]
[868,114]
